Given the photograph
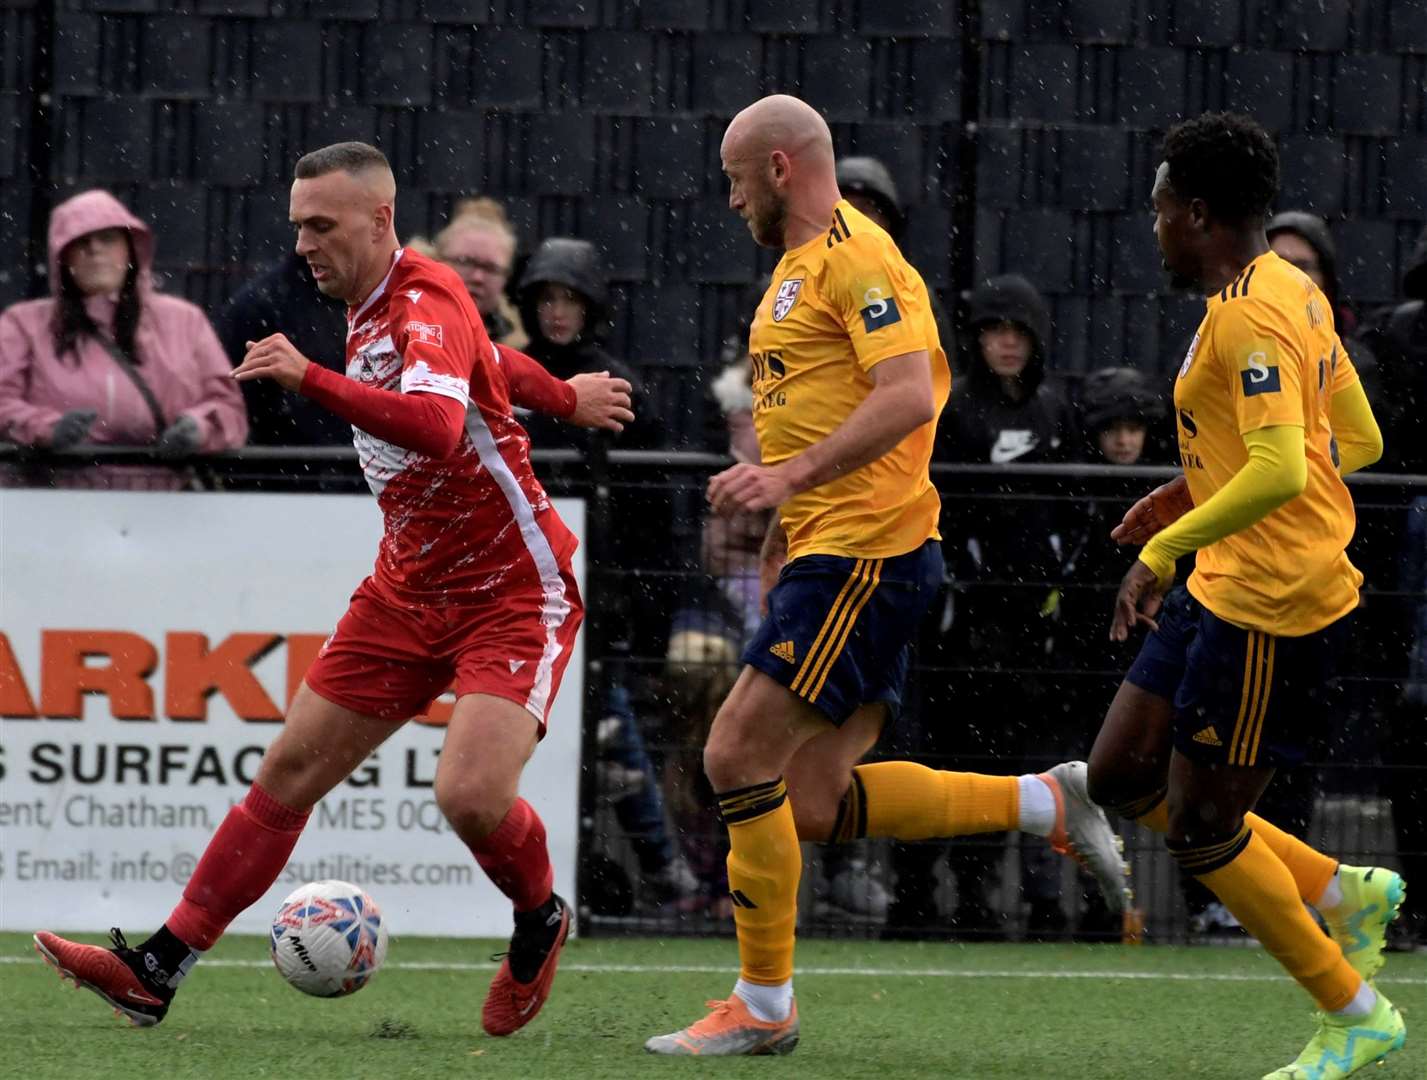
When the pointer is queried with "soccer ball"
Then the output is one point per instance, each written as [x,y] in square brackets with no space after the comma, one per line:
[328,938]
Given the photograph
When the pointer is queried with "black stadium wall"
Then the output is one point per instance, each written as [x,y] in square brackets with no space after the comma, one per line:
[1022,133]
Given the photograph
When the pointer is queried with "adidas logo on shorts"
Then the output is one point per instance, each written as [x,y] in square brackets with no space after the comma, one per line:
[1209,737]
[783,651]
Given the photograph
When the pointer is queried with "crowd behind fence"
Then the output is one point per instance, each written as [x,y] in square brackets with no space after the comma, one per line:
[1012,673]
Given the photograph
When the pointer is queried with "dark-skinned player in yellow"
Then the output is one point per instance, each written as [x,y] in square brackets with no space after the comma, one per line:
[848,379]
[1229,684]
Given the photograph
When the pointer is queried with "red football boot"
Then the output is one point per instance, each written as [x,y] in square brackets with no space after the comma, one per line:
[113,974]
[535,946]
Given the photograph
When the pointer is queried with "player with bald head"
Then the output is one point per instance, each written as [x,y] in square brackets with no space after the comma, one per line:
[849,377]
[778,157]
[472,591]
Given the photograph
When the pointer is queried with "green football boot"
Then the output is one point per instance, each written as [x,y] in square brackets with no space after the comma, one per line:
[1372,897]
[1343,1046]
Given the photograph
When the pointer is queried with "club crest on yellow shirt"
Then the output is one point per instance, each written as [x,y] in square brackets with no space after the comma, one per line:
[787,296]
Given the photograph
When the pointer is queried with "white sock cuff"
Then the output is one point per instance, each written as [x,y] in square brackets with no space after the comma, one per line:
[1037,805]
[1364,1001]
[1332,896]
[766,1003]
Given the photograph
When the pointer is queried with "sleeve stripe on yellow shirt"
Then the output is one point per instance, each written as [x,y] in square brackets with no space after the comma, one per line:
[852,589]
[835,650]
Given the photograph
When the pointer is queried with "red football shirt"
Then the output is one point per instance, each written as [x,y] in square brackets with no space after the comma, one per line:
[463,528]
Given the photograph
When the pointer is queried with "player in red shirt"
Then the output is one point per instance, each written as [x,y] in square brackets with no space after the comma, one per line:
[472,587]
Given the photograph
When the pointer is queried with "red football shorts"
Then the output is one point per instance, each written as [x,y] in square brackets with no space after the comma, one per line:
[390,659]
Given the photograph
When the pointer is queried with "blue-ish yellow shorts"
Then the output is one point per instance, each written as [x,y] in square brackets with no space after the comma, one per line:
[839,631]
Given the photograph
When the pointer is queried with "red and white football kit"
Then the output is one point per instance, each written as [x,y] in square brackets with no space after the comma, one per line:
[472,580]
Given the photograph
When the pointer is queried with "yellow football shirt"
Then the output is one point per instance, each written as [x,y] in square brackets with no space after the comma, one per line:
[1266,354]
[838,306]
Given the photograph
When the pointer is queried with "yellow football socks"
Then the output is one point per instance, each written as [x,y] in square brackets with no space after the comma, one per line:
[1311,869]
[1257,887]
[906,801]
[764,865]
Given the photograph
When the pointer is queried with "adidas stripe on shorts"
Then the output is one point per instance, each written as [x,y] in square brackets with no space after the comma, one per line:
[838,631]
[1241,697]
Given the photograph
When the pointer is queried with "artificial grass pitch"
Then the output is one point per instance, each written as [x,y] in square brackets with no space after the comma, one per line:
[869,1009]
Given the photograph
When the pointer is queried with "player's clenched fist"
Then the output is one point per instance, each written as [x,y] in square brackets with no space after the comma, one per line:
[746,488]
[1158,510]
[601,401]
[273,358]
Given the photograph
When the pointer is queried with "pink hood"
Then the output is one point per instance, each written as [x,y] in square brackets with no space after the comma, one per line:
[182,361]
[88,212]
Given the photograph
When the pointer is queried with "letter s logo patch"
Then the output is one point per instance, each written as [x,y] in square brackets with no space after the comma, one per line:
[1260,377]
[878,310]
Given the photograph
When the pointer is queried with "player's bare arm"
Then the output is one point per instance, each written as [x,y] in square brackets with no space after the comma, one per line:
[900,401]
[602,401]
[273,358]
[771,558]
[1137,602]
[1158,510]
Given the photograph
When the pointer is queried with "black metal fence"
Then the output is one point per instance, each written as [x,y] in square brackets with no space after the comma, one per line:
[1013,672]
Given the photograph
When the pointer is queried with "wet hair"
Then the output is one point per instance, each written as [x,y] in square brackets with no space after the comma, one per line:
[71,318]
[348,157]
[1226,159]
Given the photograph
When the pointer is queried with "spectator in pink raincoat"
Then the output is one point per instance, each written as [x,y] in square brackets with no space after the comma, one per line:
[106,359]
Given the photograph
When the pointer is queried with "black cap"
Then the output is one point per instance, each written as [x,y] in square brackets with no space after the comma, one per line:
[1118,393]
[868,176]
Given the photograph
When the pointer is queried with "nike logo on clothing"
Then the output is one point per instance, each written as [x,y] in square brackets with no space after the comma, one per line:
[1011,444]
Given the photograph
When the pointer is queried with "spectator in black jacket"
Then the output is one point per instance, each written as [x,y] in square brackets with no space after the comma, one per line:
[1118,409]
[979,709]
[1006,408]
[564,305]
[284,300]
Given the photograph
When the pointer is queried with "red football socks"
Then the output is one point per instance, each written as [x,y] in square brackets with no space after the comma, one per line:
[240,863]
[515,857]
